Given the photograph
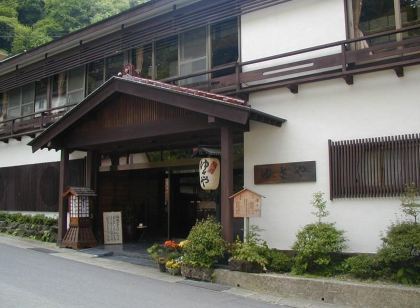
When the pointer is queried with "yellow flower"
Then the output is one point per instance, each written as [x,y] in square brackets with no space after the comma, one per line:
[183,243]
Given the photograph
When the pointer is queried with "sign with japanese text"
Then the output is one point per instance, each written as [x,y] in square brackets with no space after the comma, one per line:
[209,172]
[112,228]
[246,203]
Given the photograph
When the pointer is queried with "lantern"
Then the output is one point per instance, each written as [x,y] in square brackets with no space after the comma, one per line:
[80,234]
[209,172]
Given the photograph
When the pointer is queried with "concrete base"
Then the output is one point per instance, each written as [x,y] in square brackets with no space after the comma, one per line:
[323,290]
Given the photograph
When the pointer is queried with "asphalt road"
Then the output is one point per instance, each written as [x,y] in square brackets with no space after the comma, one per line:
[37,279]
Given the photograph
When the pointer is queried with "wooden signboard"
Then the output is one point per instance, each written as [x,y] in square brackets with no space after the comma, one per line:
[112,228]
[246,203]
[285,173]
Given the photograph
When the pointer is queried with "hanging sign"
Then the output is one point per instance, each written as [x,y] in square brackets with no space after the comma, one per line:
[209,172]
[112,228]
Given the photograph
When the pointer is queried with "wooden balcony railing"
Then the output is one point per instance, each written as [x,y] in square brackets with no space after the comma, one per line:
[30,124]
[341,59]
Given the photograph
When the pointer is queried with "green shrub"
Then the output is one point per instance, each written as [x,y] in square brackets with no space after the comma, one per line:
[315,246]
[278,261]
[252,250]
[38,227]
[362,266]
[317,243]
[400,253]
[205,244]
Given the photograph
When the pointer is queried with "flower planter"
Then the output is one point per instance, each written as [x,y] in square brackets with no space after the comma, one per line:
[245,266]
[174,271]
[162,267]
[197,273]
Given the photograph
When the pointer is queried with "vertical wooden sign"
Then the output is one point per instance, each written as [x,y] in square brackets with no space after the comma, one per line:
[112,228]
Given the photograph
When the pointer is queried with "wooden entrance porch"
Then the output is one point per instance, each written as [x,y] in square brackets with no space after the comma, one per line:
[133,115]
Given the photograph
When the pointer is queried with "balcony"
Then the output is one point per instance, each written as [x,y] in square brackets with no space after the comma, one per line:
[342,59]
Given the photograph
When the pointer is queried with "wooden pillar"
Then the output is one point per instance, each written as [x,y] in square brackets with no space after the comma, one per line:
[226,182]
[62,205]
[92,166]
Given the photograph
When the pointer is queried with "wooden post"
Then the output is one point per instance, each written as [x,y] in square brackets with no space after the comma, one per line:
[62,205]
[91,169]
[226,182]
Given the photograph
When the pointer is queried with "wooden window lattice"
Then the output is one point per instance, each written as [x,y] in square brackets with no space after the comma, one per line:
[374,167]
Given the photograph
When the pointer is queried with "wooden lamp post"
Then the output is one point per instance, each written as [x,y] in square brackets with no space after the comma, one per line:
[80,234]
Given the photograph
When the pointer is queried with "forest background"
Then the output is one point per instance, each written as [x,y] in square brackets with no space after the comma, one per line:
[25,24]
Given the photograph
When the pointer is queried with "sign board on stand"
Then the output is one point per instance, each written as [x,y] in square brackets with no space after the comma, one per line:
[112,228]
[246,204]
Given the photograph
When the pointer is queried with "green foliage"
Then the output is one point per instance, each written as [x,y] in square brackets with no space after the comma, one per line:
[400,253]
[25,24]
[205,244]
[410,201]
[278,261]
[253,250]
[38,227]
[320,205]
[362,266]
[315,245]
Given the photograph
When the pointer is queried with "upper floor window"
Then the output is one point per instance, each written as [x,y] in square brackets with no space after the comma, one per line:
[142,59]
[101,70]
[20,101]
[68,87]
[190,52]
[167,57]
[41,92]
[374,16]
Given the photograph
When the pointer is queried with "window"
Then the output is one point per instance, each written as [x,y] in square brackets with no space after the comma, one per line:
[95,75]
[224,45]
[376,167]
[374,16]
[3,105]
[41,101]
[113,65]
[167,58]
[13,108]
[76,85]
[142,59]
[193,54]
[28,96]
[68,87]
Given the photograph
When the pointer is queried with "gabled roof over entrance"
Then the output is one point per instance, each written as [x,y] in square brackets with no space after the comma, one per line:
[166,101]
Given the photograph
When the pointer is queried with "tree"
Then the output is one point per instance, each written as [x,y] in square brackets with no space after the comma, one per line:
[30,11]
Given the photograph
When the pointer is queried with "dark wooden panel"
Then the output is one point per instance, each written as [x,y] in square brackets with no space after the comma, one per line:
[35,187]
[374,167]
[285,173]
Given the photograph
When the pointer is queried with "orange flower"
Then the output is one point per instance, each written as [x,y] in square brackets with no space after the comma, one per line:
[171,244]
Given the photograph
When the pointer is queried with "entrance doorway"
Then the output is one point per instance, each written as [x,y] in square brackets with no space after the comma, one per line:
[189,203]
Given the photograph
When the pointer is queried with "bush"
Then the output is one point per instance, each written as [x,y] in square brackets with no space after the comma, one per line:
[253,250]
[362,266]
[317,243]
[205,244]
[400,253]
[38,227]
[278,261]
[315,246]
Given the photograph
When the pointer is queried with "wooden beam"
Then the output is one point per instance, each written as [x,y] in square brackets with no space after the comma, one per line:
[349,79]
[62,205]
[226,139]
[294,88]
[399,71]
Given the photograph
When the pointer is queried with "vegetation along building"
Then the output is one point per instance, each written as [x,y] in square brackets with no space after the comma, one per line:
[294,96]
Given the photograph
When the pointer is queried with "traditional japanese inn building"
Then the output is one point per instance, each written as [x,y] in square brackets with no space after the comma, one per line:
[292,96]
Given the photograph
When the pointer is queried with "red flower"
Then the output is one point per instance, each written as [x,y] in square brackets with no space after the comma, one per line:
[171,244]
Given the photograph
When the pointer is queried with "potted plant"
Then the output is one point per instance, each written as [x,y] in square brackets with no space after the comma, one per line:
[173,267]
[161,254]
[249,256]
[204,247]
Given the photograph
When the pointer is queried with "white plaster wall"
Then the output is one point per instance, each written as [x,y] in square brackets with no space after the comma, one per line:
[378,104]
[292,26]
[16,153]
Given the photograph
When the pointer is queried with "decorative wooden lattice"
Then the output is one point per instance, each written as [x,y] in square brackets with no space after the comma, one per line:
[374,167]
